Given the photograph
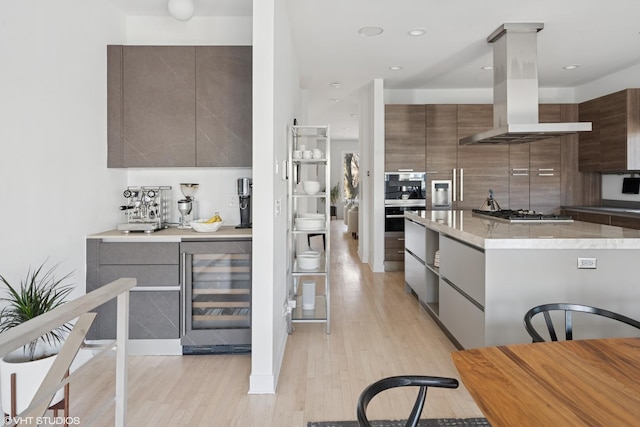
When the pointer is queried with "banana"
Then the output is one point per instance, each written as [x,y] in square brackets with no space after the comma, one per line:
[215,218]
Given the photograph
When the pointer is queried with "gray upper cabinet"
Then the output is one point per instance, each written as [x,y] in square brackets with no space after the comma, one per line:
[223,106]
[179,106]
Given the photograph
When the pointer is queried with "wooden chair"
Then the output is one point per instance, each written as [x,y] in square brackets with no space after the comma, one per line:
[402,381]
[568,309]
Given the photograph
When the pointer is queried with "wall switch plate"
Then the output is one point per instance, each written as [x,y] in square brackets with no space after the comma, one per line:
[278,206]
[589,263]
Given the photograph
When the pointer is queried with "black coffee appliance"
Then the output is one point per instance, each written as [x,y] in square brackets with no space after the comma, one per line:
[244,194]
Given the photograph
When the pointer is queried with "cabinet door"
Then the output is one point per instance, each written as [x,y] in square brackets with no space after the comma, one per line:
[115,141]
[442,144]
[152,315]
[545,163]
[223,106]
[613,132]
[482,168]
[519,176]
[158,106]
[404,137]
[589,152]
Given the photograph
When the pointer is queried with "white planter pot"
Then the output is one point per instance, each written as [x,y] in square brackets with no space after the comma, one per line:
[29,376]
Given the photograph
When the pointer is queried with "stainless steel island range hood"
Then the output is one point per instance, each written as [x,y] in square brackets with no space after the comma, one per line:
[515,90]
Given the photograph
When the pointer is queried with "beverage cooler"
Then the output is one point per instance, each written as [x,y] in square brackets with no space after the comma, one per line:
[216,296]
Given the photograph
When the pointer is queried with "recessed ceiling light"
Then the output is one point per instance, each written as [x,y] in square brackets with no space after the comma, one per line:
[571,67]
[417,32]
[353,115]
[487,68]
[370,31]
[334,100]
[395,68]
[336,85]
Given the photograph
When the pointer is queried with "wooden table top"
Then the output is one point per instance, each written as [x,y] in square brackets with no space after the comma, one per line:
[565,383]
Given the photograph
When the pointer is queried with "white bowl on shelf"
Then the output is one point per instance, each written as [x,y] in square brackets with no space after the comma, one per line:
[311,187]
[201,226]
[311,215]
[309,260]
[309,224]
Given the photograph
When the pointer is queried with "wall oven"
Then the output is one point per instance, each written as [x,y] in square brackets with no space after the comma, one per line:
[394,212]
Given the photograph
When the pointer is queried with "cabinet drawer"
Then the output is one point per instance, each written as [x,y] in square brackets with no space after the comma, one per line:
[415,275]
[624,221]
[139,253]
[463,319]
[415,238]
[394,242]
[152,315]
[394,254]
[147,275]
[463,266]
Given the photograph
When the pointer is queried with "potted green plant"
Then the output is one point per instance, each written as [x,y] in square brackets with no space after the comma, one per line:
[334,195]
[40,292]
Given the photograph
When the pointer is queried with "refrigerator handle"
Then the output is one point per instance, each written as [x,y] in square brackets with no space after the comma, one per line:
[183,291]
[455,199]
[461,184]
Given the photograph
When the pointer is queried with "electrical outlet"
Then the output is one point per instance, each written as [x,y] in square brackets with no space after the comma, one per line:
[590,263]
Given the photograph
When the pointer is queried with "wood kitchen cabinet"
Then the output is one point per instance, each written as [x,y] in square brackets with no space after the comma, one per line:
[179,106]
[614,143]
[441,144]
[480,167]
[404,133]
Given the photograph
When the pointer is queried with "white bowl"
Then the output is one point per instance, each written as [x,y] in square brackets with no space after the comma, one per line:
[310,215]
[309,223]
[309,260]
[201,226]
[311,187]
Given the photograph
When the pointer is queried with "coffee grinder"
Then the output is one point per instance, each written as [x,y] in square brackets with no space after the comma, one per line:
[188,207]
[244,194]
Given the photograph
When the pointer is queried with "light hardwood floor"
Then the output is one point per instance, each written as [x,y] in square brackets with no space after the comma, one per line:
[377,330]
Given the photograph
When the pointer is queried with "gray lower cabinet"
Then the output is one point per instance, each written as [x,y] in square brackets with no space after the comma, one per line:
[462,291]
[154,304]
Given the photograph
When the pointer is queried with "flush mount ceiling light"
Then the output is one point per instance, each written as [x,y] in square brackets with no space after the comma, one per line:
[336,85]
[396,68]
[487,68]
[571,67]
[417,32]
[334,100]
[182,10]
[370,31]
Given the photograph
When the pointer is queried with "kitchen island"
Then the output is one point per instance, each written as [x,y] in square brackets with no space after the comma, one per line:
[478,277]
[193,292]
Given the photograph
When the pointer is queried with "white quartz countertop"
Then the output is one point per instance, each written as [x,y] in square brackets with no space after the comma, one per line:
[173,234]
[492,234]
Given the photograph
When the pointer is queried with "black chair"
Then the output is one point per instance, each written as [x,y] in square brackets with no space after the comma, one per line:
[568,309]
[402,381]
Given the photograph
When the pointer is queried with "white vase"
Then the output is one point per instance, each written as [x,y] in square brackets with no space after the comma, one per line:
[29,377]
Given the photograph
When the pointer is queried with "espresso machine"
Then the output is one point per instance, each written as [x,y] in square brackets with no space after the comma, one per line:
[244,194]
[147,208]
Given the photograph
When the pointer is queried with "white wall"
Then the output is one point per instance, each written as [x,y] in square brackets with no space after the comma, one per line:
[54,184]
[275,103]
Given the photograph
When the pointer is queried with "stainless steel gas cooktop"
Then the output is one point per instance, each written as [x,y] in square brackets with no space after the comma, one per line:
[521,216]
